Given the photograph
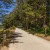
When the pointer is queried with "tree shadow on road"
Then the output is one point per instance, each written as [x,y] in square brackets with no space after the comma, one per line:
[14,38]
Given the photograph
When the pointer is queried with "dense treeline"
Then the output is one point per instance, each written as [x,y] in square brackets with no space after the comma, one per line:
[6,35]
[31,15]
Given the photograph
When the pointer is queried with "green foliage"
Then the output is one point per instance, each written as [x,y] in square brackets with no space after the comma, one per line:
[29,14]
[13,27]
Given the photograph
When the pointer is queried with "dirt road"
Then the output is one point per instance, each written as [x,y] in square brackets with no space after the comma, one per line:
[29,42]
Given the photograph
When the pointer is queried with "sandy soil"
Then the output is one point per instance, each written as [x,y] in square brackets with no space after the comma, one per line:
[29,42]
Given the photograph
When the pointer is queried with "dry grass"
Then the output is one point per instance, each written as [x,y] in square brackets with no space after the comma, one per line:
[43,36]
